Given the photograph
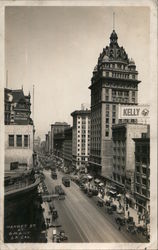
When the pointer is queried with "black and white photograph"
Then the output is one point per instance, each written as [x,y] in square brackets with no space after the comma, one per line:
[79,133]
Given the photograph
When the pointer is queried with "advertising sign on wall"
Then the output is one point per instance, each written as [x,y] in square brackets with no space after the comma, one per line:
[134,111]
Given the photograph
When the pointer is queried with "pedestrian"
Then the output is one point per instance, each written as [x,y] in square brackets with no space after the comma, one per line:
[128,214]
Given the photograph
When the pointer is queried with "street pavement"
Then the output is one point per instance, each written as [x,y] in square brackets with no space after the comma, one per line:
[82,219]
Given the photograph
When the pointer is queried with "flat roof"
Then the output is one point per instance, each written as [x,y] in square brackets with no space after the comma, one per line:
[81,112]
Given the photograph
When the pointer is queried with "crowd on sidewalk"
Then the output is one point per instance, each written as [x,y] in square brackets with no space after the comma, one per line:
[118,200]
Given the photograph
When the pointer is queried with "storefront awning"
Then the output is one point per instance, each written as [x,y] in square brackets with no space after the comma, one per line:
[89,177]
[112,192]
[119,195]
[97,181]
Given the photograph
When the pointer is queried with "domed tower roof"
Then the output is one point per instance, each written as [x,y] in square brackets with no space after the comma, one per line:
[113,38]
[113,52]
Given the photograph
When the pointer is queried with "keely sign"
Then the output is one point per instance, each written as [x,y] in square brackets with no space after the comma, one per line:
[134,111]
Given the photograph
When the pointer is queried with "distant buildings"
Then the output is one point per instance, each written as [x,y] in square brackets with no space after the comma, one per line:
[37,143]
[17,107]
[123,154]
[80,138]
[18,130]
[57,127]
[67,149]
[115,81]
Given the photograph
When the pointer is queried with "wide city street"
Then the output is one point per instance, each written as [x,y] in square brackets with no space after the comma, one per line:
[82,219]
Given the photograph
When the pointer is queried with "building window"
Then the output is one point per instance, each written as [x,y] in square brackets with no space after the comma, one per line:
[133,76]
[126,93]
[114,107]
[107,120]
[113,121]
[26,140]
[113,92]
[19,140]
[120,93]
[107,107]
[11,140]
[107,133]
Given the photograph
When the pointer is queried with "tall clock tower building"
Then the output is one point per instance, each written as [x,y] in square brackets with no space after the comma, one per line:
[114,81]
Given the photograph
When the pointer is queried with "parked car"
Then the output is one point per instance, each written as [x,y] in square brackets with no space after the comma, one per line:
[59,190]
[62,235]
[114,207]
[109,210]
[94,192]
[54,214]
[107,203]
[120,219]
[89,193]
[100,203]
[142,229]
[130,220]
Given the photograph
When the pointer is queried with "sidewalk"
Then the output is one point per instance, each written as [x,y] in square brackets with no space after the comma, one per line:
[131,211]
[47,216]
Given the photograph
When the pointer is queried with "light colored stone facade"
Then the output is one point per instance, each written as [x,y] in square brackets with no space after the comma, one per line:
[23,154]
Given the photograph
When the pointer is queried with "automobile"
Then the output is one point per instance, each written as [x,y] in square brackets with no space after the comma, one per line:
[109,210]
[59,190]
[89,193]
[113,206]
[142,229]
[130,220]
[66,181]
[120,219]
[62,235]
[82,186]
[131,229]
[100,203]
[54,175]
[107,203]
[56,238]
[54,214]
[94,192]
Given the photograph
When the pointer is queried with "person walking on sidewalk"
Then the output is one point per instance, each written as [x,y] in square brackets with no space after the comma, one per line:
[128,213]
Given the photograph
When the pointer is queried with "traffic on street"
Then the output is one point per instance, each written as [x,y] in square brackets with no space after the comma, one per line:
[81,216]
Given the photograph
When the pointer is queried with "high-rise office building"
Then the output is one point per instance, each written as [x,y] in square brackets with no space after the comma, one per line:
[114,82]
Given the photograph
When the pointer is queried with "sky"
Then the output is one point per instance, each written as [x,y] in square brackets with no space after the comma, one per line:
[56,49]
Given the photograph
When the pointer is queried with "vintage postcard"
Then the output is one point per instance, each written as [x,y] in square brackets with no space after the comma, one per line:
[78,124]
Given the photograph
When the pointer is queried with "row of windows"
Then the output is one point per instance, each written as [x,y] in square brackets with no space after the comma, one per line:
[79,136]
[142,181]
[143,170]
[119,178]
[117,66]
[11,140]
[142,191]
[120,75]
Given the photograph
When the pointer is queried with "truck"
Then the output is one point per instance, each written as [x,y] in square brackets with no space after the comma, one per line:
[66,181]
